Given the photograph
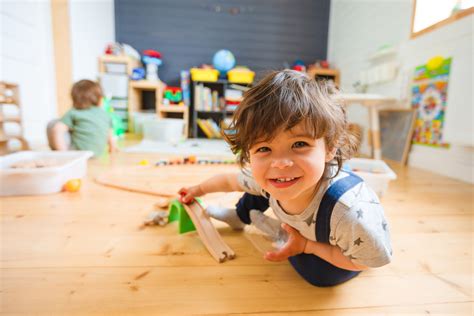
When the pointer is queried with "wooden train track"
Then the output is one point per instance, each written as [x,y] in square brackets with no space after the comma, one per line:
[208,233]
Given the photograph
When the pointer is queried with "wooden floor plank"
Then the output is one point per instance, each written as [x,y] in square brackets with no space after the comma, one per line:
[88,253]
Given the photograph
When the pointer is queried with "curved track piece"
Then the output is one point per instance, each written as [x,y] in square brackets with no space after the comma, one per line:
[208,233]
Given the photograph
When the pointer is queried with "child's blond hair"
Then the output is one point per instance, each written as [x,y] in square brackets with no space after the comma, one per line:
[282,100]
[86,93]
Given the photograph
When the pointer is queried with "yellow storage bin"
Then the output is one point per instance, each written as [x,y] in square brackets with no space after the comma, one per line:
[198,74]
[240,75]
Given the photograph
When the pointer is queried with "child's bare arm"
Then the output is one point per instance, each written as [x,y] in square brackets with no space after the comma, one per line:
[297,244]
[333,255]
[59,130]
[112,142]
[220,183]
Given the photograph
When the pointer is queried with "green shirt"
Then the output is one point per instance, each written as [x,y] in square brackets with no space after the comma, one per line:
[89,128]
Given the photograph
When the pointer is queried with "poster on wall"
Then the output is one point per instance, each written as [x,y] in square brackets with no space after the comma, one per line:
[429,95]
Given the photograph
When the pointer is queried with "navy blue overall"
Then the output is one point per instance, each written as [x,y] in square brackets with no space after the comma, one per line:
[312,268]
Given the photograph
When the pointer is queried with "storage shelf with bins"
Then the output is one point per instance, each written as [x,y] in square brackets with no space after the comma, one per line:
[10,119]
[114,73]
[136,89]
[209,108]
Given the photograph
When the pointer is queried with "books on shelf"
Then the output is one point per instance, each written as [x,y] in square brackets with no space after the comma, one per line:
[209,128]
[206,99]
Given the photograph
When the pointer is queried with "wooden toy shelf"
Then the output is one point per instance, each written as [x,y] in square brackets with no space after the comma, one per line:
[162,111]
[10,97]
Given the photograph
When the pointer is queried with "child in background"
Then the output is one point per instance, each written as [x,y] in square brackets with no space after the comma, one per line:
[86,126]
[292,134]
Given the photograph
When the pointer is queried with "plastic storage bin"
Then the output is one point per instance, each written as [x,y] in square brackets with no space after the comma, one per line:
[198,74]
[60,167]
[166,130]
[240,75]
[376,173]
[139,118]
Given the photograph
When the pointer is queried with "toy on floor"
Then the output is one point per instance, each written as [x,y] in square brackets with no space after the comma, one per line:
[193,160]
[193,217]
[209,235]
[72,185]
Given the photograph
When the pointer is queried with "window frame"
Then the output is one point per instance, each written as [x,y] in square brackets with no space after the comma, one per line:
[454,17]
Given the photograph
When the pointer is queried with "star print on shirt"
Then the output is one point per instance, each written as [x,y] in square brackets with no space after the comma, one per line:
[360,213]
[384,226]
[358,241]
[246,184]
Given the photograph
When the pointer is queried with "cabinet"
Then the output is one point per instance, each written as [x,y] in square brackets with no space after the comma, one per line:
[11,128]
[136,89]
[213,103]
[114,73]
[325,74]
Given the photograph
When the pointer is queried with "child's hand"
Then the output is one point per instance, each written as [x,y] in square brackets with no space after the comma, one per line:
[189,193]
[295,245]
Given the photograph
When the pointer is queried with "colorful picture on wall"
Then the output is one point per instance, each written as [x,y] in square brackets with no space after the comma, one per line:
[429,95]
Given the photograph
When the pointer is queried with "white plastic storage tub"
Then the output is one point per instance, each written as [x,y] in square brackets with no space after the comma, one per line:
[376,173]
[165,130]
[33,173]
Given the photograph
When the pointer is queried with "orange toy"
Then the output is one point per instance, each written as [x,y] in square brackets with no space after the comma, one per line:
[72,185]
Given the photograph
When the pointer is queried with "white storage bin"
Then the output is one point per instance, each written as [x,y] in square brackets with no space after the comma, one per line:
[376,173]
[139,118]
[167,130]
[59,167]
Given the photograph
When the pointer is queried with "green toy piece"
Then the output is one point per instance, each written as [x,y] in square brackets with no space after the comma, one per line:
[118,126]
[178,213]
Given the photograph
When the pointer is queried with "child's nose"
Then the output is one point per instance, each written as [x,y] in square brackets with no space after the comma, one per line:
[282,163]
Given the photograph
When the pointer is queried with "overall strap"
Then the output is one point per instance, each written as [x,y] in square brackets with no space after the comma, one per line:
[330,198]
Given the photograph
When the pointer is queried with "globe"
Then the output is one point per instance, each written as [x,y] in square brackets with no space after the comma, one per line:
[223,60]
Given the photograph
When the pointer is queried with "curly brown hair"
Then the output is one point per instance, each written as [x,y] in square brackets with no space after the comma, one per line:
[282,100]
[86,93]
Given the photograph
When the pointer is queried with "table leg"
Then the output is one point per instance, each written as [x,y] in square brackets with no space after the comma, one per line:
[375,132]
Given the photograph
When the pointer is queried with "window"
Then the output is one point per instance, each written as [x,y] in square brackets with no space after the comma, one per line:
[432,14]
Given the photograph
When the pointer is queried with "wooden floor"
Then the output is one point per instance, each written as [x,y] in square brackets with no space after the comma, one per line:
[87,253]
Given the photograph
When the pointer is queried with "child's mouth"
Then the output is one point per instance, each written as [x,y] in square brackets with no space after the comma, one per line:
[283,182]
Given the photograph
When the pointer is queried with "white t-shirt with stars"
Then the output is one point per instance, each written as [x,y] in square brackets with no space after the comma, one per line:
[358,224]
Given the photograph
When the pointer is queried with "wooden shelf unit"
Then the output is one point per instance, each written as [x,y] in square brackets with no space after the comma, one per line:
[162,111]
[127,61]
[325,74]
[114,71]
[10,96]
[217,115]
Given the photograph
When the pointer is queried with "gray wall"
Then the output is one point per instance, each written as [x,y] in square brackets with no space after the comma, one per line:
[262,34]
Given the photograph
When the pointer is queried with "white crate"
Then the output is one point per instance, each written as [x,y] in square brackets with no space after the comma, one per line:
[376,173]
[65,165]
[139,118]
[167,130]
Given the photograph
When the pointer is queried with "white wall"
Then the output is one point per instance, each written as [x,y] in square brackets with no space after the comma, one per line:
[26,51]
[92,28]
[27,59]
[359,28]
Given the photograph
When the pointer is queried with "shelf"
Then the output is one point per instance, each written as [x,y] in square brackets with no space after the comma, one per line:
[15,120]
[146,84]
[173,108]
[382,53]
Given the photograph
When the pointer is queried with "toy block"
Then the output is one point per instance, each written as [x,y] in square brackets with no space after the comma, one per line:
[178,213]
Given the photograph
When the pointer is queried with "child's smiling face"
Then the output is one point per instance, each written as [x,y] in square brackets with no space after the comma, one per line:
[290,166]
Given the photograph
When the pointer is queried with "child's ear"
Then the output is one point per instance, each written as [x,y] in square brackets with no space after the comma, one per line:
[330,154]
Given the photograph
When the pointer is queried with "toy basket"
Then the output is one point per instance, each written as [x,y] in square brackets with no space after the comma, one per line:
[240,75]
[60,167]
[198,74]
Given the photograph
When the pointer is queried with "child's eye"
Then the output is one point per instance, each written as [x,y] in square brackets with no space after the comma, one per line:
[262,150]
[300,144]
